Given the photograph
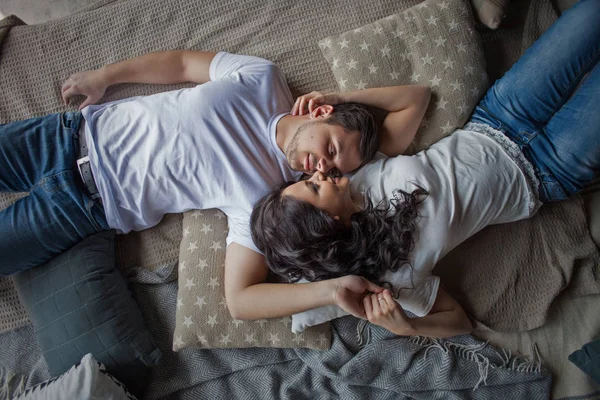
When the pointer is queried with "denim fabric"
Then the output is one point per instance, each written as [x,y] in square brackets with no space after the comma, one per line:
[38,156]
[548,106]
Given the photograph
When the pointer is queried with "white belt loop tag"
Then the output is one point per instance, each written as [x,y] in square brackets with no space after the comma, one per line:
[80,161]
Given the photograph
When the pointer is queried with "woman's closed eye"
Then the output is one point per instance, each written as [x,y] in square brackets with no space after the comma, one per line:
[313,187]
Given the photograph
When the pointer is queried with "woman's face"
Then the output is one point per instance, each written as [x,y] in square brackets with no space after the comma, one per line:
[331,195]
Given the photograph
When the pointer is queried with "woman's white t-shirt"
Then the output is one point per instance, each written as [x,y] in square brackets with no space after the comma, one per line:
[472,183]
[475,177]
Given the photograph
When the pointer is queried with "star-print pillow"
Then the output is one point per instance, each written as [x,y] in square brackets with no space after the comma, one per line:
[202,317]
[433,43]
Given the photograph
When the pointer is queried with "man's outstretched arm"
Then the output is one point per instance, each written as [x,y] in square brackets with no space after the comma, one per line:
[166,67]
[405,105]
[249,297]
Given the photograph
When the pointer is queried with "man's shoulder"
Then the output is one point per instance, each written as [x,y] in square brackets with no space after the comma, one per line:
[243,64]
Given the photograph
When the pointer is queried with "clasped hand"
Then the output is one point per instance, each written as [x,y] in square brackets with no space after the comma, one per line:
[383,310]
[366,300]
[349,292]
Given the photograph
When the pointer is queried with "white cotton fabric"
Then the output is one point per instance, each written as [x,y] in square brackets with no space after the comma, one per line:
[472,182]
[210,146]
[85,380]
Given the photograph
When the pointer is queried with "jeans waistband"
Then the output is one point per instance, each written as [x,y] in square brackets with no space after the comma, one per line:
[83,165]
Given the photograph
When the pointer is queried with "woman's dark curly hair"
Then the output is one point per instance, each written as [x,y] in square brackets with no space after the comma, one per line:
[301,241]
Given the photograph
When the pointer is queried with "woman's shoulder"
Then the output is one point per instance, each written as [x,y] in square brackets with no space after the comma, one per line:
[381,178]
[398,168]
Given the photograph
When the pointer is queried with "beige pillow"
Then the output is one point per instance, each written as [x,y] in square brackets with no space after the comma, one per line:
[490,12]
[202,317]
[433,43]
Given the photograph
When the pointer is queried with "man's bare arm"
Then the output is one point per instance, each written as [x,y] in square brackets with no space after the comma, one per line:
[406,106]
[250,297]
[165,67]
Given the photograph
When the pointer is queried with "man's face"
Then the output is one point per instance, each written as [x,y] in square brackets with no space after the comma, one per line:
[317,146]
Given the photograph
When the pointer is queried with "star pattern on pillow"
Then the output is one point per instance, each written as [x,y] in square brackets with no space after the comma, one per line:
[189,283]
[202,339]
[188,321]
[433,44]
[249,338]
[193,247]
[216,246]
[196,214]
[200,302]
[214,282]
[202,315]
[206,228]
[212,320]
[298,338]
[274,338]
[224,339]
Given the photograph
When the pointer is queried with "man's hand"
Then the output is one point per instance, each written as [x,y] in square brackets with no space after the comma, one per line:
[90,84]
[161,67]
[383,310]
[349,291]
[313,100]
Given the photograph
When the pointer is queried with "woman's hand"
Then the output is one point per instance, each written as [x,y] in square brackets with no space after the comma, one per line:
[313,100]
[384,311]
[90,84]
[348,293]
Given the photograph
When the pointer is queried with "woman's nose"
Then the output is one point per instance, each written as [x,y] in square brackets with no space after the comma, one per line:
[318,176]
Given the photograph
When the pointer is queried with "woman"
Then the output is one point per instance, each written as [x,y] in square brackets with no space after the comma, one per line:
[534,138]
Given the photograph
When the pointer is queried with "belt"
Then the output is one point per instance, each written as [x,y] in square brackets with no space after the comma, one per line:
[85,170]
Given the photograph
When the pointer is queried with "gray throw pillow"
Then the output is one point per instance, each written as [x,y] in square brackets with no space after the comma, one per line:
[202,318]
[79,303]
[433,43]
[588,359]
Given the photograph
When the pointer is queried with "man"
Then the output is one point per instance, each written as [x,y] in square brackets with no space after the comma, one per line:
[221,144]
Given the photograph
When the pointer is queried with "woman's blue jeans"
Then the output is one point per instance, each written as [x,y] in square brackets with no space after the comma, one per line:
[38,156]
[549,103]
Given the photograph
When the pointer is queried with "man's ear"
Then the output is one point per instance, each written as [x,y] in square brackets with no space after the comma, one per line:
[323,111]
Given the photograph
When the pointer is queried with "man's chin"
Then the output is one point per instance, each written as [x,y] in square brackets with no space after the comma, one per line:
[296,166]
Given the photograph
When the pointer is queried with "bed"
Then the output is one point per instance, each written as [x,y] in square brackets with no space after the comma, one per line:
[34,60]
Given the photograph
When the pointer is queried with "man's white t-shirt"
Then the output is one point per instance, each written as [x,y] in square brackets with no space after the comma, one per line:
[474,177]
[210,146]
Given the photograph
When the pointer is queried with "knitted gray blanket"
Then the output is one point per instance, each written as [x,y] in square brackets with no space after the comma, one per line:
[387,367]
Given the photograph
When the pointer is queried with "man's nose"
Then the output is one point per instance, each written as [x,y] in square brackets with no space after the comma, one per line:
[323,165]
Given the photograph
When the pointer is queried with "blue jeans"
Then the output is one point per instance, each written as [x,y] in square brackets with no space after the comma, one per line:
[38,156]
[549,106]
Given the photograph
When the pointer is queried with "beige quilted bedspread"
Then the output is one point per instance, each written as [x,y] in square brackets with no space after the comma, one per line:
[34,61]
